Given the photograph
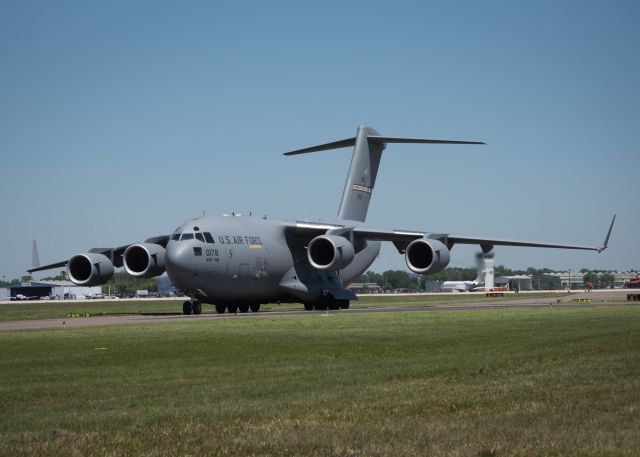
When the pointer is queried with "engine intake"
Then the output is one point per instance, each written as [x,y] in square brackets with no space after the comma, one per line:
[144,260]
[330,252]
[426,256]
[89,269]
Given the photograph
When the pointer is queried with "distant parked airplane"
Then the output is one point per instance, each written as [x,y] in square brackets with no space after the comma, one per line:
[484,266]
[24,297]
[459,286]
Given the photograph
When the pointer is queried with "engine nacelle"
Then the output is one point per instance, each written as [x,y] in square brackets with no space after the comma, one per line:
[144,260]
[89,269]
[330,252]
[426,256]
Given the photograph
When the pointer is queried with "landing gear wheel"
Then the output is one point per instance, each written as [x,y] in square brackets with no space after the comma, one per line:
[244,308]
[232,309]
[197,307]
[320,306]
[308,306]
[220,309]
[187,308]
[344,304]
[255,307]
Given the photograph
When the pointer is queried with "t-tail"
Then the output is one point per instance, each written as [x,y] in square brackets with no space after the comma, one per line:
[368,146]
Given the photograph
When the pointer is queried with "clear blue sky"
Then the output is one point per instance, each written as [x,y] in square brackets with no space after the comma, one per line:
[119,120]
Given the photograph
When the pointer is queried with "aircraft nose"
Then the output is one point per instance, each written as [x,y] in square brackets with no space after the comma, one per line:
[178,261]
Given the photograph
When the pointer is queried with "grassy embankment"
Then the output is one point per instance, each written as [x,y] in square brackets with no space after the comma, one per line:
[509,382]
[60,309]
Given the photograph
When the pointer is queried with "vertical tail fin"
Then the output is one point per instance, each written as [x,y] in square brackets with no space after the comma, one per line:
[367,151]
[361,177]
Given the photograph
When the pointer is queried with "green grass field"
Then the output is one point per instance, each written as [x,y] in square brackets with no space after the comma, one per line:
[60,309]
[463,383]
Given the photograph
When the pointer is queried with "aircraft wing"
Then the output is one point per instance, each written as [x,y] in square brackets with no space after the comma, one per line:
[489,243]
[115,254]
[402,238]
[51,266]
[306,230]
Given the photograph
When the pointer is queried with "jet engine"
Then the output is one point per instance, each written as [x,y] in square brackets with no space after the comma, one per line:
[330,252]
[144,260]
[89,269]
[426,256]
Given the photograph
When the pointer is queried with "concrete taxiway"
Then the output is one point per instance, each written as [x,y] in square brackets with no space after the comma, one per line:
[599,298]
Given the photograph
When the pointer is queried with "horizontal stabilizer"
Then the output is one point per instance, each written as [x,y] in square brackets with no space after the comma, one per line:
[375,139]
[394,139]
[324,147]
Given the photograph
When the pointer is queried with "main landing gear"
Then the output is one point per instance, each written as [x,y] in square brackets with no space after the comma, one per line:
[192,306]
[234,308]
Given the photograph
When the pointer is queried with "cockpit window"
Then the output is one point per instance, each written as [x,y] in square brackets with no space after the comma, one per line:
[209,238]
[187,236]
[175,237]
[200,237]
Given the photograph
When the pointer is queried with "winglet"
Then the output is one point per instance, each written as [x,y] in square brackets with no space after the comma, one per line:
[606,240]
[35,258]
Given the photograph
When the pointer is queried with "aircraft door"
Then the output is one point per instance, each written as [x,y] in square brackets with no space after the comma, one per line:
[244,275]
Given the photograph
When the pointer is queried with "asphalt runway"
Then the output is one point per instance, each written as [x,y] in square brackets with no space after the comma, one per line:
[598,300]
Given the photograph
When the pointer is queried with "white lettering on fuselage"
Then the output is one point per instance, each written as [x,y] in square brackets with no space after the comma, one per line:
[212,255]
[252,242]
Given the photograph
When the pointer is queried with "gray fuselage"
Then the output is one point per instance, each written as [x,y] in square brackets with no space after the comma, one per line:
[222,259]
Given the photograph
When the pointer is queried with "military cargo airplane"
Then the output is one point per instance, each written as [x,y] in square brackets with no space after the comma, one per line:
[240,262]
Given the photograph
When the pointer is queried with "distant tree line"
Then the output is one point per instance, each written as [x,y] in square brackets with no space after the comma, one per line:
[124,284]
[599,279]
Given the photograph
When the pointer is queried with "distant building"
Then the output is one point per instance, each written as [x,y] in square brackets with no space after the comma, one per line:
[562,280]
[519,282]
[39,289]
[575,279]
[621,279]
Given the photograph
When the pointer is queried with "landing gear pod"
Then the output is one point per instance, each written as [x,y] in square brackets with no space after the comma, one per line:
[426,256]
[89,269]
[144,260]
[330,252]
